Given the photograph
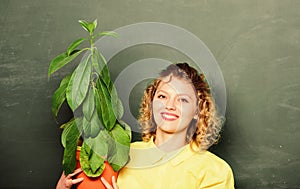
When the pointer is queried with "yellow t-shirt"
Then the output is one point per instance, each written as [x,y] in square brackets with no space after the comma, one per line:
[151,168]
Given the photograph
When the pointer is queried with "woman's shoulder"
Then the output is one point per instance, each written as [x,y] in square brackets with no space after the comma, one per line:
[212,158]
[206,160]
[210,169]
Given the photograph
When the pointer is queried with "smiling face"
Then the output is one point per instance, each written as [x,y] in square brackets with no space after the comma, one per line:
[174,105]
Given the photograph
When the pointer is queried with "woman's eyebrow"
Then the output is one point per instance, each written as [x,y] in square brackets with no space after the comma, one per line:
[161,91]
[180,94]
[183,94]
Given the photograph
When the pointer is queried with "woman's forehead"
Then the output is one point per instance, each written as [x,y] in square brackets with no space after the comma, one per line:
[179,85]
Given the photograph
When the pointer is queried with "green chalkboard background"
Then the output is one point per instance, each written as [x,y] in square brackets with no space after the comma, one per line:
[256,43]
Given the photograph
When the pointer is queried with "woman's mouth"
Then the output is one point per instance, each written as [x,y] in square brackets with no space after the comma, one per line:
[169,116]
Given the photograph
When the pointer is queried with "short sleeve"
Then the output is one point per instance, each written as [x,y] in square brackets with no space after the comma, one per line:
[218,177]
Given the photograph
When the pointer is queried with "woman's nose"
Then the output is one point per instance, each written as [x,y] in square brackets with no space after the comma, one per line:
[170,104]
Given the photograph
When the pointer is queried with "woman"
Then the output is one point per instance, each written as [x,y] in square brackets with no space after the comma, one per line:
[179,123]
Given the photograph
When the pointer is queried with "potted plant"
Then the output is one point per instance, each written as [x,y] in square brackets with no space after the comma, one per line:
[95,131]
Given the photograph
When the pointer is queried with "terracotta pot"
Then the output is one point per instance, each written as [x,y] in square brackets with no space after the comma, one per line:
[95,183]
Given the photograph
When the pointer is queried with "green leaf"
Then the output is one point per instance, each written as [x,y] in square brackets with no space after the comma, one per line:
[93,153]
[119,148]
[71,139]
[98,102]
[89,105]
[57,63]
[88,26]
[120,109]
[104,70]
[100,65]
[107,114]
[95,23]
[96,125]
[100,145]
[60,95]
[91,163]
[91,28]
[66,131]
[107,33]
[116,102]
[95,61]
[84,25]
[120,134]
[74,45]
[61,60]
[86,127]
[127,128]
[91,128]
[79,84]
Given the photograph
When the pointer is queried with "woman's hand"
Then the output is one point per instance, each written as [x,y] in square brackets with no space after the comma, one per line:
[66,182]
[107,185]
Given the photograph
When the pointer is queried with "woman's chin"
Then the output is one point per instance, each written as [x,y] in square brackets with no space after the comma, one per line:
[168,129]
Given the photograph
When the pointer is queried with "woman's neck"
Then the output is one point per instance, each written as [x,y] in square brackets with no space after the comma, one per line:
[170,142]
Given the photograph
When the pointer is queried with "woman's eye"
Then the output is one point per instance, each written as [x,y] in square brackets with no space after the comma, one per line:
[183,100]
[161,96]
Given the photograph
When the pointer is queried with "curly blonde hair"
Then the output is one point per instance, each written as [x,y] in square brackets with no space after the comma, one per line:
[203,131]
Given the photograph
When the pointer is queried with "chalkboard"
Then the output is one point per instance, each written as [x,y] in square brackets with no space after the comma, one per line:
[256,44]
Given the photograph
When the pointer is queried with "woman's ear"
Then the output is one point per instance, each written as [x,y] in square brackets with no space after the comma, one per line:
[196,116]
